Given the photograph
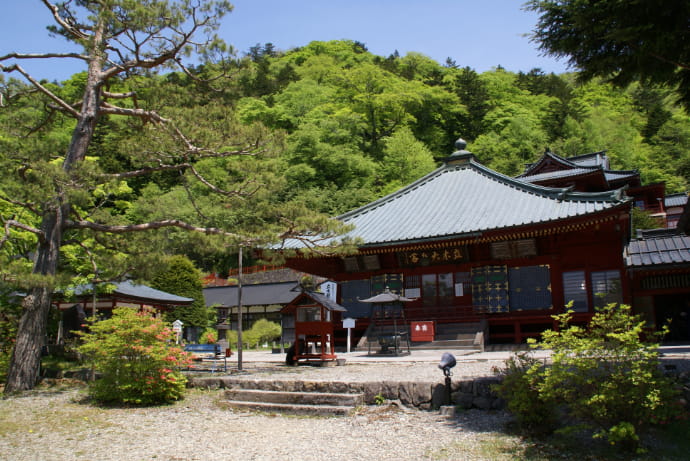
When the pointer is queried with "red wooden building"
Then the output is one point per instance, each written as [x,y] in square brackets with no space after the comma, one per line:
[314,327]
[474,247]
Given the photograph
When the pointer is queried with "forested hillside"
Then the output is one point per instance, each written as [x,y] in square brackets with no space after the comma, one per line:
[359,122]
[335,127]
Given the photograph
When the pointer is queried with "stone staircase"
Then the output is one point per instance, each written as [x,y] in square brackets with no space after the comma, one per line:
[461,336]
[313,402]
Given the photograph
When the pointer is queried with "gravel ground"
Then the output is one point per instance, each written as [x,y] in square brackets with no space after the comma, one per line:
[366,371]
[63,425]
[53,424]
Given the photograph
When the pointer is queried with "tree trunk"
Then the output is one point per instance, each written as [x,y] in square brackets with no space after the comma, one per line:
[26,356]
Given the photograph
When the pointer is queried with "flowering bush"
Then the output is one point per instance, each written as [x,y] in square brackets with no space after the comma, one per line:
[9,319]
[209,336]
[137,358]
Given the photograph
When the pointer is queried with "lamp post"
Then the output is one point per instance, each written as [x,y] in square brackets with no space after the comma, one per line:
[239,311]
[447,362]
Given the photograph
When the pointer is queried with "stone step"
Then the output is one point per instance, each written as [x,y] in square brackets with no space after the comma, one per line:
[292,397]
[293,402]
[455,336]
[292,409]
[458,328]
[446,344]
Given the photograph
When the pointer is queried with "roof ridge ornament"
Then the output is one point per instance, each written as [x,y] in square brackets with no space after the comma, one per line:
[460,156]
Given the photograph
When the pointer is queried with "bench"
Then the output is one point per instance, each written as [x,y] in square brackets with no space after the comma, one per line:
[208,352]
[203,351]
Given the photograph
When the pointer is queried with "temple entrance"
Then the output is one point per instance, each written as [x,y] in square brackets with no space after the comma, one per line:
[674,311]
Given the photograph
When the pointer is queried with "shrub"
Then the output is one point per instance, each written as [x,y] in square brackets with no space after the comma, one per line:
[137,358]
[9,320]
[604,375]
[209,336]
[262,331]
[533,412]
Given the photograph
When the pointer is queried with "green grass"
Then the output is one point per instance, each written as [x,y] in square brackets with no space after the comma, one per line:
[53,362]
[669,443]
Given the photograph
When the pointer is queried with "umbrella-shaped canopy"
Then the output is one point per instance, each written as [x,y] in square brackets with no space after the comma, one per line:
[387,297]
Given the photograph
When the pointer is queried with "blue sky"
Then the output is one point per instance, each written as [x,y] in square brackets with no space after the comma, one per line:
[481,34]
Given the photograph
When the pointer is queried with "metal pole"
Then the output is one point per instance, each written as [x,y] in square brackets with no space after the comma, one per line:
[239,311]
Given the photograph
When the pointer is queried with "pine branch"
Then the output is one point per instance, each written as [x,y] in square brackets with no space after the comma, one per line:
[43,56]
[89,225]
[8,223]
[25,205]
[41,88]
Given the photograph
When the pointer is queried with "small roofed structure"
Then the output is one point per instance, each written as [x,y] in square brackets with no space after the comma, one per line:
[658,266]
[313,319]
[261,301]
[387,324]
[110,295]
[126,294]
[584,173]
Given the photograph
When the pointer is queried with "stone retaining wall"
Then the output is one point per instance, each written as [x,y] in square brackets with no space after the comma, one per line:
[466,393]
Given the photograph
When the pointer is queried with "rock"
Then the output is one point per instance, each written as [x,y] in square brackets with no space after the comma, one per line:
[483,403]
[463,400]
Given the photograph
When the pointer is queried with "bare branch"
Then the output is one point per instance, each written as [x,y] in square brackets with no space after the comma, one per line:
[25,205]
[147,115]
[149,226]
[109,95]
[65,24]
[19,225]
[41,88]
[205,81]
[220,191]
[43,56]
[148,170]
[180,166]
[139,62]
[679,65]
[192,199]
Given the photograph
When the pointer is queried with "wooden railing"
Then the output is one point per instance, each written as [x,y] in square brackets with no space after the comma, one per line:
[254,270]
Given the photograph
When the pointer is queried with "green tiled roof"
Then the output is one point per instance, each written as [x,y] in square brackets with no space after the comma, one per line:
[465,198]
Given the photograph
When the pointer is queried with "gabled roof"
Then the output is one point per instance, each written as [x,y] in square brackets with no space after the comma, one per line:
[314,296]
[676,200]
[658,248]
[325,301]
[591,159]
[464,199]
[551,167]
[556,162]
[264,294]
[387,297]
[140,293]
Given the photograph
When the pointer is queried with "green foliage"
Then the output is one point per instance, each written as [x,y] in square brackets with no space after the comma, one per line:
[261,332]
[137,359]
[405,160]
[522,377]
[208,336]
[604,376]
[619,41]
[642,219]
[231,337]
[179,277]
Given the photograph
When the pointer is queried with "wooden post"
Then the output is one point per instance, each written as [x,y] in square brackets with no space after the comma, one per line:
[239,311]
